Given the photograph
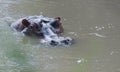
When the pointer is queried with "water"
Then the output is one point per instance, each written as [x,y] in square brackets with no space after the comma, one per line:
[94,24]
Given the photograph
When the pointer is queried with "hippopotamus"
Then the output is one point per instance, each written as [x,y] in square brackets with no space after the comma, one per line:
[48,29]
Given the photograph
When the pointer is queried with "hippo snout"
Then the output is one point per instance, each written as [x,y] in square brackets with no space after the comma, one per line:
[52,38]
[60,41]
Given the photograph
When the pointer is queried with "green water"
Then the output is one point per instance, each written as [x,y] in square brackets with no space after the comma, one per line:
[93,24]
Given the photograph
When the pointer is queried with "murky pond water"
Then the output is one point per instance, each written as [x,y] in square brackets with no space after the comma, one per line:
[94,24]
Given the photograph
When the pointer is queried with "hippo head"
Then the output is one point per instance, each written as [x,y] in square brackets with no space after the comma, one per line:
[51,37]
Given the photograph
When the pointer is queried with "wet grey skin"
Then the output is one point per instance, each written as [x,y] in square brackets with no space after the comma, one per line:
[48,27]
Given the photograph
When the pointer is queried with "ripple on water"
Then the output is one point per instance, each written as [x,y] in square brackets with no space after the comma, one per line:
[97,34]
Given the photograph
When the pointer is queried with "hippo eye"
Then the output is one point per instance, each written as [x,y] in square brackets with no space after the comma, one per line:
[45,21]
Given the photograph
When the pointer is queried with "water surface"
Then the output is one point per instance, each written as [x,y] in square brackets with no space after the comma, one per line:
[94,24]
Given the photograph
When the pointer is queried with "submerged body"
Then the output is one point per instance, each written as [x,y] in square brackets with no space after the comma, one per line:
[47,28]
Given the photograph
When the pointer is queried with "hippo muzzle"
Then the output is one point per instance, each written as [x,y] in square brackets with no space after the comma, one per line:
[51,38]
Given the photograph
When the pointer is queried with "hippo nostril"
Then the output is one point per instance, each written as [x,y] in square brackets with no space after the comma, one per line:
[65,42]
[53,43]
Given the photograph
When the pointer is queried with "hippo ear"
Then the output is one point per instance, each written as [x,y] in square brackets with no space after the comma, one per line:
[58,18]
